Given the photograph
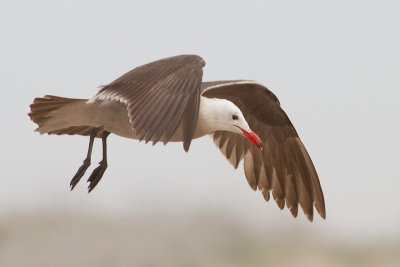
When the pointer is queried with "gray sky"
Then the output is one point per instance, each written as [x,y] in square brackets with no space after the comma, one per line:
[333,65]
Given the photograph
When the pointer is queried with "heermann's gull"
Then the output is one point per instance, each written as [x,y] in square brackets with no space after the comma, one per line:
[166,101]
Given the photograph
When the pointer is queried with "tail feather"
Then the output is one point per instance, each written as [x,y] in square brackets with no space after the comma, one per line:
[44,109]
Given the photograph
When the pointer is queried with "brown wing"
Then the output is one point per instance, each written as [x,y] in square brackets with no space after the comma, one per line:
[159,96]
[283,166]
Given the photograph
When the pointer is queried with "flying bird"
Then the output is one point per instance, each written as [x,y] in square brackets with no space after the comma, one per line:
[166,101]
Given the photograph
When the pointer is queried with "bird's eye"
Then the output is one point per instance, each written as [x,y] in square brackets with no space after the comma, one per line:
[234,117]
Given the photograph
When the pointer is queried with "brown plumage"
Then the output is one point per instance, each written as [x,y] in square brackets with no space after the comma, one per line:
[283,166]
[158,95]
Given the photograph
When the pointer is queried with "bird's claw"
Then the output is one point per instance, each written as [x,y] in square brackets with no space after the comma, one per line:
[81,171]
[96,175]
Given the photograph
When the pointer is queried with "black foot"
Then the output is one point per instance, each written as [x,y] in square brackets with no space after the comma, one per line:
[96,175]
[81,171]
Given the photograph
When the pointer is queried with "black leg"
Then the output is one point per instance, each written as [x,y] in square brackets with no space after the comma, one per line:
[97,173]
[86,163]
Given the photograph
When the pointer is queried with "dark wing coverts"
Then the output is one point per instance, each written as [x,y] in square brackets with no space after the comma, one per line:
[159,96]
[283,166]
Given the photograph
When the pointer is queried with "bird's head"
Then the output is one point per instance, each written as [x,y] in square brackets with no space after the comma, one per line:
[228,117]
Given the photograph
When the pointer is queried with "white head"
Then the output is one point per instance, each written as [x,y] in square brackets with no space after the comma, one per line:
[223,115]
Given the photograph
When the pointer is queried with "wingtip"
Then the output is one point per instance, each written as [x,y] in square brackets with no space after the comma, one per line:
[323,215]
[310,217]
[186,148]
[186,145]
[320,207]
[294,210]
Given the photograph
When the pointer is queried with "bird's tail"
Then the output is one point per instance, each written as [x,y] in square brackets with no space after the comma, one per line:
[59,115]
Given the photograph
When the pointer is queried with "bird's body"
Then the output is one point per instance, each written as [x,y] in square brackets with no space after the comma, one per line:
[167,101]
[113,116]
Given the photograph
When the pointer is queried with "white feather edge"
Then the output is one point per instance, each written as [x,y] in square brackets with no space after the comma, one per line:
[108,96]
[232,83]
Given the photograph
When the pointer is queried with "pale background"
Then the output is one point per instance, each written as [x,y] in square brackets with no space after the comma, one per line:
[335,68]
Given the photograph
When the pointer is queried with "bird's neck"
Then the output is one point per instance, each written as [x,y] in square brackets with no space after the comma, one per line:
[209,119]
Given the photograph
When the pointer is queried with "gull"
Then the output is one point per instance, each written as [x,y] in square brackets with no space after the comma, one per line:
[166,101]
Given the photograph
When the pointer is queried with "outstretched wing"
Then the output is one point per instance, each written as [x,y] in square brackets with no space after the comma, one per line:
[283,166]
[159,96]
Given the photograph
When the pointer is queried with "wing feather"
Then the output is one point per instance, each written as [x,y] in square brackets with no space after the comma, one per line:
[249,170]
[166,119]
[175,119]
[230,146]
[239,150]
